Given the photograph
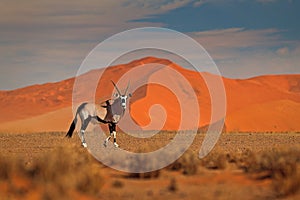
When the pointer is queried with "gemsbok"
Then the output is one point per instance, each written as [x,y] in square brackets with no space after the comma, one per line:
[110,113]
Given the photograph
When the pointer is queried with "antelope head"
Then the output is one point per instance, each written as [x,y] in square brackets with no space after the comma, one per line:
[122,97]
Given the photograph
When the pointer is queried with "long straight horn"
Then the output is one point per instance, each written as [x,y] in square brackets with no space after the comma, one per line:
[116,88]
[127,87]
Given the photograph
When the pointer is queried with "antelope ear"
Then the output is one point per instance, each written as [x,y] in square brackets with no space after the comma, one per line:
[116,95]
[130,95]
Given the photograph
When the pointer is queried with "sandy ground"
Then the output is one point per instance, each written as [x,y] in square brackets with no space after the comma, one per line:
[228,183]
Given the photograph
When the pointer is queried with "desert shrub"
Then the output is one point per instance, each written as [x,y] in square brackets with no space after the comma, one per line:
[282,166]
[173,187]
[57,174]
[188,163]
[117,184]
[245,159]
[215,160]
[269,160]
[141,161]
[231,157]
[286,178]
[5,168]
[145,175]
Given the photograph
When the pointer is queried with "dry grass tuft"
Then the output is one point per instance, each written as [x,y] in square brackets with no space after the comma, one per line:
[286,178]
[215,160]
[5,168]
[117,184]
[145,175]
[142,161]
[58,174]
[281,165]
[245,159]
[173,187]
[188,163]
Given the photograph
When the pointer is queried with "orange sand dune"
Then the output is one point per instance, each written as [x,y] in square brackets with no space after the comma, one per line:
[265,103]
[58,120]
[277,116]
[35,100]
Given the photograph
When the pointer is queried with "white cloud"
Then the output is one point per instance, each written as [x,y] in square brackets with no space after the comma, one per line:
[237,37]
[266,1]
[244,53]
[283,51]
[272,1]
[159,5]
[55,36]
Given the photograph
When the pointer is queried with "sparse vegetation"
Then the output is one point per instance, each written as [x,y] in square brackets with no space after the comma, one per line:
[145,175]
[188,163]
[173,187]
[5,168]
[117,184]
[57,174]
[142,161]
[281,165]
[286,178]
[51,167]
[215,160]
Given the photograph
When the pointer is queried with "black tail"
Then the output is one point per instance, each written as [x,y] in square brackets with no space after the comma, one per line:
[72,127]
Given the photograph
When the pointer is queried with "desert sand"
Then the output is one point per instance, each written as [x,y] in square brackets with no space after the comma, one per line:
[242,165]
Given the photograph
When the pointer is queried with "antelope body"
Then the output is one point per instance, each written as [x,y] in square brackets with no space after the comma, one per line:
[108,113]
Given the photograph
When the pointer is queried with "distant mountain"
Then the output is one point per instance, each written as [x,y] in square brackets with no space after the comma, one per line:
[260,104]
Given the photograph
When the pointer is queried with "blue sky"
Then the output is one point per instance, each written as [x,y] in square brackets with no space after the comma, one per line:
[46,41]
[255,15]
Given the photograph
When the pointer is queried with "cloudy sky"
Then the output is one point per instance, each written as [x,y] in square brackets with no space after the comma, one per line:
[46,40]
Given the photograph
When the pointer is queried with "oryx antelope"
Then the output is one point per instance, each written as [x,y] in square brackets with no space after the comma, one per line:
[109,113]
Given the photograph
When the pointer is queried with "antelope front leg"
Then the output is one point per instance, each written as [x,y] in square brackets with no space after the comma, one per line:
[106,140]
[112,132]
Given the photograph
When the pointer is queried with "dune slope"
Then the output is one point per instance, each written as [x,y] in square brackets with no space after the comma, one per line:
[259,104]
